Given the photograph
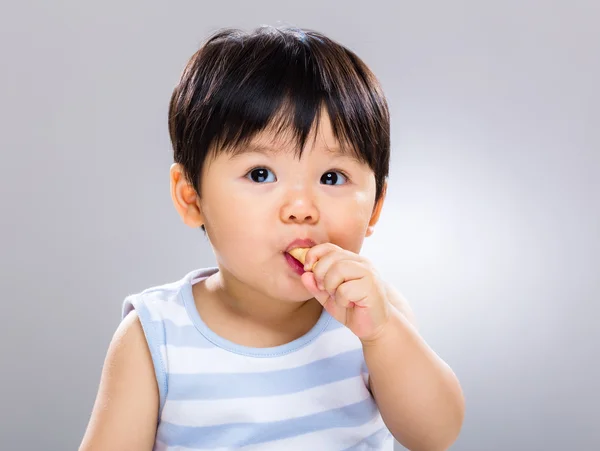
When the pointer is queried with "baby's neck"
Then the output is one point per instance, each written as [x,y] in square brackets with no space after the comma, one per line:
[252,321]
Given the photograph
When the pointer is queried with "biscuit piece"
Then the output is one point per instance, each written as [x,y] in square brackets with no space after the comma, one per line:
[299,253]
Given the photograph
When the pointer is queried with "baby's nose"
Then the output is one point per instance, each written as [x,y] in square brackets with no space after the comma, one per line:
[300,211]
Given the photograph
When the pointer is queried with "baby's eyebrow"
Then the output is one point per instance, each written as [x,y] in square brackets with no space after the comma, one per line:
[274,151]
[258,148]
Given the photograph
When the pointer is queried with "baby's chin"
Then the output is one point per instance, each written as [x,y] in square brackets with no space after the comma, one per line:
[295,294]
[289,291]
[285,286]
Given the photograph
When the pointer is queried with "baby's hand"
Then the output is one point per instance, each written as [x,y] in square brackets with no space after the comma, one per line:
[348,287]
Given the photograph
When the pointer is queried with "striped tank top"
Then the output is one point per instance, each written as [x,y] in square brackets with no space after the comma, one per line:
[309,394]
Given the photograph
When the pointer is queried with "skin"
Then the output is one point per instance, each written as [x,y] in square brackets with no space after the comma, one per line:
[256,299]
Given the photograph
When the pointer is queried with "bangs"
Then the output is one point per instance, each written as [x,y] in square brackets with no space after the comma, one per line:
[288,133]
[239,84]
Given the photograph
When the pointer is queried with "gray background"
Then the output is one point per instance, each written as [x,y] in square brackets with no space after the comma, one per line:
[493,209]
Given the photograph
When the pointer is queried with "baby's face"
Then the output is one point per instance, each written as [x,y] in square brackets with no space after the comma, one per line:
[255,204]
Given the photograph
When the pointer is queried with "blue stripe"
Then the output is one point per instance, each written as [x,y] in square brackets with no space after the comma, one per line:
[242,434]
[189,336]
[241,385]
[373,441]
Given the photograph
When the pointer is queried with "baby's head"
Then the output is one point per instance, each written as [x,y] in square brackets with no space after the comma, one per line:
[278,134]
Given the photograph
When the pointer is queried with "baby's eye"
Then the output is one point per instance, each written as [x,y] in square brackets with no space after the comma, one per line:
[333,178]
[261,175]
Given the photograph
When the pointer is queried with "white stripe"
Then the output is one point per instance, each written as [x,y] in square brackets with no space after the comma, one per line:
[188,360]
[328,439]
[168,309]
[163,354]
[265,409]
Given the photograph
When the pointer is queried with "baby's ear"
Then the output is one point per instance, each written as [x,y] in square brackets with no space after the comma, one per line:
[185,198]
[376,211]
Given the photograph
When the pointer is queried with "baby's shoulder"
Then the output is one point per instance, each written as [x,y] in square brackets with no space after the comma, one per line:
[168,301]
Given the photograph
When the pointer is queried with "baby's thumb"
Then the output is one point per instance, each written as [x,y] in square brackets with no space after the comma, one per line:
[308,279]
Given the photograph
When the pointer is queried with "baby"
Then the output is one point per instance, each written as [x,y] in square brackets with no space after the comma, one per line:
[293,341]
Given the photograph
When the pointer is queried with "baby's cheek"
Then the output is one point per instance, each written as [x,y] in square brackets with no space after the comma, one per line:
[348,232]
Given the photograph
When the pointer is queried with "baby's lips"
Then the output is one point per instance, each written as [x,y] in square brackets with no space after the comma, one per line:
[299,253]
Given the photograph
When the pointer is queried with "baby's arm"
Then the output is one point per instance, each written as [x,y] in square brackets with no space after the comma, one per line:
[417,393]
[126,409]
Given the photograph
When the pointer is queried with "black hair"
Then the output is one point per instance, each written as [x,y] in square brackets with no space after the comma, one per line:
[239,83]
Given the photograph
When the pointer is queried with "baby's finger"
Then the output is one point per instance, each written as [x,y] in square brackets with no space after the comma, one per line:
[341,271]
[351,293]
[308,279]
[323,265]
[317,252]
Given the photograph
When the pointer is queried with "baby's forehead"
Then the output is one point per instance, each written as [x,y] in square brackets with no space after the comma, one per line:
[270,143]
